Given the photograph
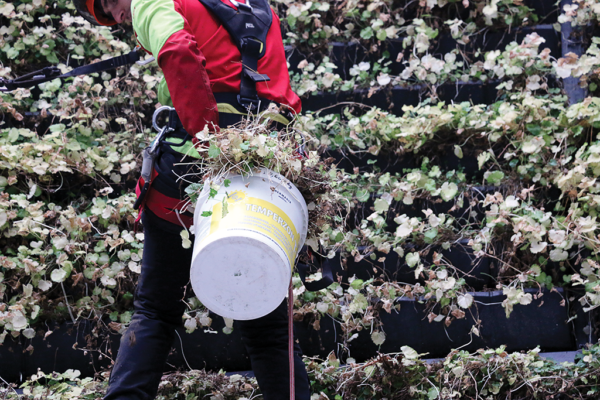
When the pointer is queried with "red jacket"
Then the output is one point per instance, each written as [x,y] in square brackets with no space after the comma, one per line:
[198,58]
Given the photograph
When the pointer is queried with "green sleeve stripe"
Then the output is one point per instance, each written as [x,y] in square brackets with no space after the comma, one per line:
[154,21]
[162,91]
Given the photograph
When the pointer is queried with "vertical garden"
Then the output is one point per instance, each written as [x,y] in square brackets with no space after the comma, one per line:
[451,176]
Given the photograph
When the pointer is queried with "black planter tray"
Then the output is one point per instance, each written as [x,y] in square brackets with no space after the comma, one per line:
[11,360]
[393,99]
[319,342]
[76,347]
[346,55]
[386,161]
[477,272]
[212,351]
[547,11]
[486,41]
[472,211]
[586,325]
[541,323]
[362,211]
[69,346]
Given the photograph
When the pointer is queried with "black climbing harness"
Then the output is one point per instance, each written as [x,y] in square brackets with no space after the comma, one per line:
[248,26]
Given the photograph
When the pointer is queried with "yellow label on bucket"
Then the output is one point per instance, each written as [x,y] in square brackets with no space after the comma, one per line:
[260,216]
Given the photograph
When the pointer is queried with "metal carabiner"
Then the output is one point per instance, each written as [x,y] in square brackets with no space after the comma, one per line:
[156,114]
[161,135]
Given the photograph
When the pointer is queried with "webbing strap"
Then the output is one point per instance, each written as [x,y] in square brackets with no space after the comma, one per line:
[50,73]
[248,97]
[248,26]
[168,208]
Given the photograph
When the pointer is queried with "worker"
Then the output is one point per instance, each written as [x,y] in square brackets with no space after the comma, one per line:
[208,85]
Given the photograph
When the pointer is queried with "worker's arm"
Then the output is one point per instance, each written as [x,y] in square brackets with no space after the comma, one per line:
[165,33]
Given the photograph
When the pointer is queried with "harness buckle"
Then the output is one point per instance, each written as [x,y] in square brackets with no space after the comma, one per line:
[250,104]
[246,7]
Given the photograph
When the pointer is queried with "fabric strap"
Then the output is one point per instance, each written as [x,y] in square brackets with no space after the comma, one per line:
[248,26]
[50,73]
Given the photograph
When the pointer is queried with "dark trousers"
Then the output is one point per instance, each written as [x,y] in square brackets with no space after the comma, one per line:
[158,310]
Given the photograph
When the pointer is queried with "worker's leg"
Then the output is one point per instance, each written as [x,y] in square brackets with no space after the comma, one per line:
[266,340]
[158,309]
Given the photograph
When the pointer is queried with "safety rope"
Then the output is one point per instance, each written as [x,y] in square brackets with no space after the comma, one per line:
[291,341]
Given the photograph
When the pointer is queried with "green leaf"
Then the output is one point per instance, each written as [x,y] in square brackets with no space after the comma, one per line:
[362,195]
[60,274]
[225,210]
[458,151]
[448,191]
[206,213]
[534,129]
[482,159]
[494,177]
[193,188]
[357,284]
[323,6]
[12,53]
[430,235]
[213,151]
[409,352]
[227,182]
[433,393]
[381,206]
[378,338]
[412,259]
[366,33]
[52,59]
[577,129]
[465,300]
[13,135]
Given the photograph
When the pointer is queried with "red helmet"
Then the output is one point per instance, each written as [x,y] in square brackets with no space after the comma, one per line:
[92,11]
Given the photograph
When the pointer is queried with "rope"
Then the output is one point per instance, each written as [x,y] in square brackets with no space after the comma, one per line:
[291,341]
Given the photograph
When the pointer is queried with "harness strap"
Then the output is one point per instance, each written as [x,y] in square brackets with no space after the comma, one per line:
[168,208]
[141,190]
[50,73]
[248,97]
[248,26]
